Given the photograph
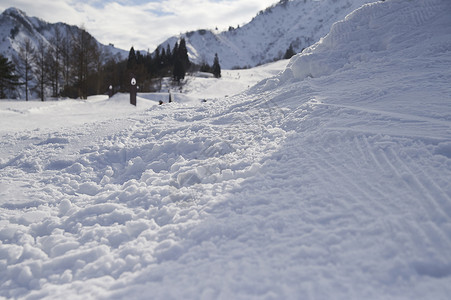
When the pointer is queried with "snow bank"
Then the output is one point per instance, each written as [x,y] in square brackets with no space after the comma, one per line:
[373,32]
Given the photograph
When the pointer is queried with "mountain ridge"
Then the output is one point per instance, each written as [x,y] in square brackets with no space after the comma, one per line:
[299,23]
[296,23]
[16,26]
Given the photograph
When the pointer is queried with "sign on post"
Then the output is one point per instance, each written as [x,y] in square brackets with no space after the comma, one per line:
[133,91]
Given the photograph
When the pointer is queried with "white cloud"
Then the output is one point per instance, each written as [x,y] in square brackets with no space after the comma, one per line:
[146,23]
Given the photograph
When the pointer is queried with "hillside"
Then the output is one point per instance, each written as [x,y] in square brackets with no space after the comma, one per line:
[266,38]
[328,179]
[16,26]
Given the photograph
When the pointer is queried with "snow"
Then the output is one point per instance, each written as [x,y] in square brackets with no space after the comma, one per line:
[328,179]
[299,23]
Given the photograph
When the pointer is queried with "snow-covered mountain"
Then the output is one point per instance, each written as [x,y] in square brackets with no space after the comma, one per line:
[16,26]
[266,38]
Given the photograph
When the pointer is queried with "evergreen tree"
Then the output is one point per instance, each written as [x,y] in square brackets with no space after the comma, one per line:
[289,53]
[8,79]
[168,55]
[149,63]
[164,58]
[131,62]
[140,71]
[182,54]
[175,52]
[157,59]
[179,71]
[205,67]
[181,60]
[139,58]
[216,67]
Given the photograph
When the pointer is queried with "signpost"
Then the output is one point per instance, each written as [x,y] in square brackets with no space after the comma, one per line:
[133,91]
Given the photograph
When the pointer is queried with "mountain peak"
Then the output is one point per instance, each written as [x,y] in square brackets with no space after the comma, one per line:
[14,11]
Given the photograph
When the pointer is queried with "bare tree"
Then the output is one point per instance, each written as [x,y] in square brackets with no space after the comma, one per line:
[66,46]
[85,53]
[54,58]
[24,62]
[98,69]
[41,68]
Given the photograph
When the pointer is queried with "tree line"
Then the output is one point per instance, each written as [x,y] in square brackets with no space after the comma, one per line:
[68,65]
[73,65]
[165,62]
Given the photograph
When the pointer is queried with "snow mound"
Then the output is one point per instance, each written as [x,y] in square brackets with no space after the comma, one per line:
[374,32]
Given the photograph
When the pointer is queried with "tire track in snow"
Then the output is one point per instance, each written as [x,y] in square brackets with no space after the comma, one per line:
[380,169]
[359,153]
[421,16]
[341,169]
[415,181]
[384,160]
[442,199]
[417,231]
[367,169]
[401,116]
[334,182]
[404,231]
[367,152]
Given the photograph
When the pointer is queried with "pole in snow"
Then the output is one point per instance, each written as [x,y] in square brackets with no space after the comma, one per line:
[110,91]
[133,91]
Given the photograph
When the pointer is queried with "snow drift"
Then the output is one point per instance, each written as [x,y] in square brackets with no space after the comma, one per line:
[374,34]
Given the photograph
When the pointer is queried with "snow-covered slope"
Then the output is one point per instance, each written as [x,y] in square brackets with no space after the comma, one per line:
[330,183]
[266,38]
[16,26]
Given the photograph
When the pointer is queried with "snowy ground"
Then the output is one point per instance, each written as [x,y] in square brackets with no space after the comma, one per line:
[330,180]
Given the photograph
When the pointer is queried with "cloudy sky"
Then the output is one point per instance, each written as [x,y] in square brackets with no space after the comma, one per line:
[142,23]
